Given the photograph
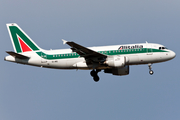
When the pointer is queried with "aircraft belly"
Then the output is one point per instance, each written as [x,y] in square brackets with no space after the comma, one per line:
[71,62]
[133,59]
[145,58]
[62,63]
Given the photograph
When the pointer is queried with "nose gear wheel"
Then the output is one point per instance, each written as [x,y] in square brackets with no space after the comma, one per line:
[150,69]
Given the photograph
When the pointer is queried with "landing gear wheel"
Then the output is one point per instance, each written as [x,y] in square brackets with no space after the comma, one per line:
[151,72]
[96,78]
[94,75]
[150,69]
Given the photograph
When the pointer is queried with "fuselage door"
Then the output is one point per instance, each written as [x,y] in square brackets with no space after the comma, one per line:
[149,49]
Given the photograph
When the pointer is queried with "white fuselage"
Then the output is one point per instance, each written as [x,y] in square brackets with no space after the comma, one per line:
[135,54]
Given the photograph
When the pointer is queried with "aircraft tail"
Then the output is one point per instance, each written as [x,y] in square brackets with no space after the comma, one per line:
[20,40]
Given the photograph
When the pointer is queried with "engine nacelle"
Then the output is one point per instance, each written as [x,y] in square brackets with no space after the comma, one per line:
[116,61]
[118,71]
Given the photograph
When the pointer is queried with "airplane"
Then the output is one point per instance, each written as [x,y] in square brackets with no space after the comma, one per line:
[114,59]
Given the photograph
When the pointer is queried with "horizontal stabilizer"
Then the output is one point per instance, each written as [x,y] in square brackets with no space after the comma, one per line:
[17,55]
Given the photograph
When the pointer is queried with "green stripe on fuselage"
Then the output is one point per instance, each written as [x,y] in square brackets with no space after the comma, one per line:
[110,52]
[57,56]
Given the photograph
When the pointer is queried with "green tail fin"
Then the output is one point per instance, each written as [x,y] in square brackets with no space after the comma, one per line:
[20,40]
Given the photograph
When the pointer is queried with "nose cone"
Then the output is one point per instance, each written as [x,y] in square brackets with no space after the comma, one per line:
[173,54]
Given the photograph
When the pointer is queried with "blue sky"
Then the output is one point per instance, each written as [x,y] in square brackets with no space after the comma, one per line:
[28,92]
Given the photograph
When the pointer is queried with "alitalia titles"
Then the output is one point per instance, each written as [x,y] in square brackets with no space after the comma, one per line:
[130,47]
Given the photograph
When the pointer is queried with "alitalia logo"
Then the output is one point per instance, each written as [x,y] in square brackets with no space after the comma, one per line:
[130,47]
[24,46]
[21,41]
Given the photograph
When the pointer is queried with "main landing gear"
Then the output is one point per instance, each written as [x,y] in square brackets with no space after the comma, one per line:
[94,74]
[150,69]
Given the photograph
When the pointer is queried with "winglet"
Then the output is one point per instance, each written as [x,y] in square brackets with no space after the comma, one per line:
[64,41]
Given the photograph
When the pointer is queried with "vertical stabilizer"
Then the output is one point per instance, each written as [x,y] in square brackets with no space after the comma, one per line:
[20,40]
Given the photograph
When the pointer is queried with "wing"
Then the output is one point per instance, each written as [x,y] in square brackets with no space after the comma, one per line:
[85,52]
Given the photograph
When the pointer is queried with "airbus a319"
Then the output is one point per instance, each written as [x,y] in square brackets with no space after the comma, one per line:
[114,59]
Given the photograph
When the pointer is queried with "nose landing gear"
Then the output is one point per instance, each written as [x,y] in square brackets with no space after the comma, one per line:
[94,74]
[150,69]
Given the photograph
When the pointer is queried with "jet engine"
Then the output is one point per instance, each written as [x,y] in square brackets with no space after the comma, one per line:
[116,61]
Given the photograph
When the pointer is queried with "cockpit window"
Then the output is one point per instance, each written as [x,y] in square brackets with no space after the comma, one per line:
[162,48]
